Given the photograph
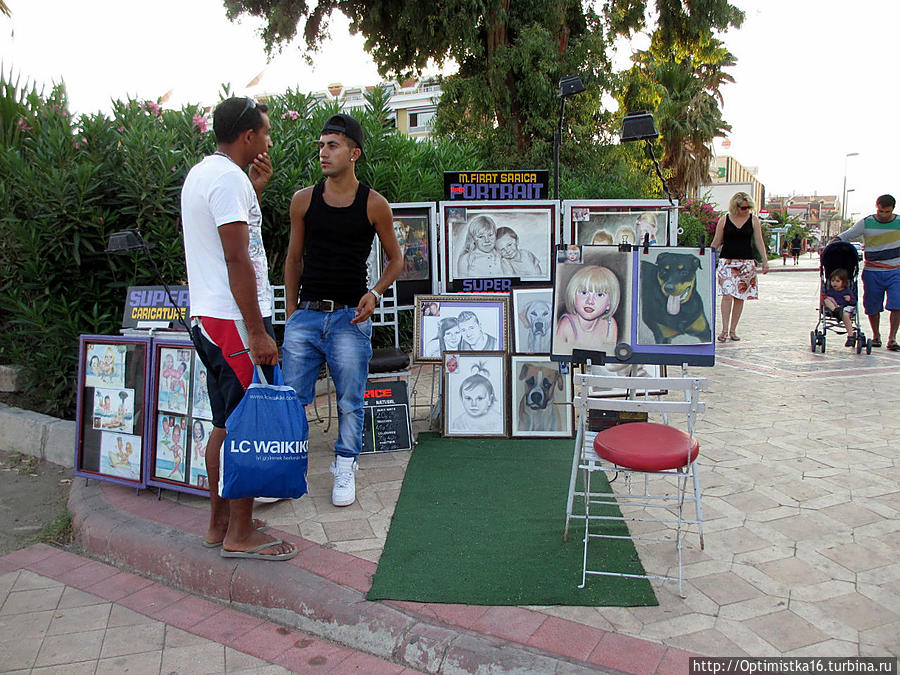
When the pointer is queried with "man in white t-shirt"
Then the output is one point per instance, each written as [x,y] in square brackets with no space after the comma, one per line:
[231,300]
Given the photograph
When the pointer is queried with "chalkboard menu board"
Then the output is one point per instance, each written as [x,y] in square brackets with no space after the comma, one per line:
[386,425]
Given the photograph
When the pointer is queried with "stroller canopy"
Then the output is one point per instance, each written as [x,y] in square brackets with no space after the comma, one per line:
[840,255]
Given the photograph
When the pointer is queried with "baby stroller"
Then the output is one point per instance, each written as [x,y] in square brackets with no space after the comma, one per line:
[837,255]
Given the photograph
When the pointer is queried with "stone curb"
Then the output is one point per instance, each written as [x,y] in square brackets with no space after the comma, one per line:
[295,597]
[38,435]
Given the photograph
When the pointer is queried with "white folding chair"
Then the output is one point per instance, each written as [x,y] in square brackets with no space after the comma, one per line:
[663,455]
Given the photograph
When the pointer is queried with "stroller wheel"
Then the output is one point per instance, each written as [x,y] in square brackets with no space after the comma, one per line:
[823,343]
[868,346]
[859,345]
[812,341]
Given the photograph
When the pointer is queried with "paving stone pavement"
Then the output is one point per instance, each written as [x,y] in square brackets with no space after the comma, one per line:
[801,498]
[48,626]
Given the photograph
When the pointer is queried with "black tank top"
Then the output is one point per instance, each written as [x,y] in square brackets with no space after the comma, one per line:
[736,240]
[337,243]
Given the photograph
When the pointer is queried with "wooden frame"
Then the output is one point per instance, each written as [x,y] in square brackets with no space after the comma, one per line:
[540,398]
[532,317]
[616,221]
[475,386]
[433,321]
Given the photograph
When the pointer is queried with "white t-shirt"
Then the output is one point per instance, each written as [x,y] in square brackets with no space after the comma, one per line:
[217,192]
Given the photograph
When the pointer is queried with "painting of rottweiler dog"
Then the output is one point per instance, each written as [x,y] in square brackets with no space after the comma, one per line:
[671,302]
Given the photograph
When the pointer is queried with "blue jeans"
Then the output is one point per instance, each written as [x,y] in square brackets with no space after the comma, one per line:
[311,338]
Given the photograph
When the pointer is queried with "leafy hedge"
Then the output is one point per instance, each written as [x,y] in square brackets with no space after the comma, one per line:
[69,183]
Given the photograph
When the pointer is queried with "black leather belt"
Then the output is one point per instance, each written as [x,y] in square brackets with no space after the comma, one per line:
[322,305]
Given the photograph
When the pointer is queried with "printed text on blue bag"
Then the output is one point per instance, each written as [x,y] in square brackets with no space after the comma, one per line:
[270,447]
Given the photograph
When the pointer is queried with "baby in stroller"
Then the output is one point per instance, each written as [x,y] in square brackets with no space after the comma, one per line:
[840,302]
[838,270]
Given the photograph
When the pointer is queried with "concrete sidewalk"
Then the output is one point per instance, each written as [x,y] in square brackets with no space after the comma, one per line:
[799,461]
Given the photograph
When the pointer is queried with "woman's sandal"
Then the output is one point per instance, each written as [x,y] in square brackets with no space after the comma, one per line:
[734,337]
[893,346]
[722,337]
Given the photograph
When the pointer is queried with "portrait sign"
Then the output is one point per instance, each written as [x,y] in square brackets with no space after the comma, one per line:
[474,394]
[459,322]
[592,302]
[540,399]
[484,240]
[532,317]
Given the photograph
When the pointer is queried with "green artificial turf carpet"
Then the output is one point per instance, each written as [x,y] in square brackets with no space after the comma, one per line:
[480,522]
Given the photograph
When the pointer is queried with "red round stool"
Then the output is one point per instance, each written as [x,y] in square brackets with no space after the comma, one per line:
[646,446]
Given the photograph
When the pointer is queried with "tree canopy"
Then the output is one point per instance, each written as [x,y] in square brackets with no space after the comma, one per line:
[512,55]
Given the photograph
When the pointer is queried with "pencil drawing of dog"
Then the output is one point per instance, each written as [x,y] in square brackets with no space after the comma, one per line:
[536,409]
[670,299]
[537,319]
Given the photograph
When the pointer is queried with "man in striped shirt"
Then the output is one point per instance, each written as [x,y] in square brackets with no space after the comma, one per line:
[881,274]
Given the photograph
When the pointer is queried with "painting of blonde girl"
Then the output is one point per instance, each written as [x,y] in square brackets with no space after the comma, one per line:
[592,298]
[479,258]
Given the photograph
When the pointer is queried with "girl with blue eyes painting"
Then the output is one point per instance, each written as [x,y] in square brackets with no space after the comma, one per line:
[592,297]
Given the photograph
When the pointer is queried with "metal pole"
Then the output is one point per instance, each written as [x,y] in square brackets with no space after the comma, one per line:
[844,193]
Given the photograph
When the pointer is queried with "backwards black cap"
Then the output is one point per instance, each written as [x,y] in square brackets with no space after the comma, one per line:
[344,124]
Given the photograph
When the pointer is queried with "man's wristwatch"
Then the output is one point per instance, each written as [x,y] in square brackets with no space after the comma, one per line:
[376,294]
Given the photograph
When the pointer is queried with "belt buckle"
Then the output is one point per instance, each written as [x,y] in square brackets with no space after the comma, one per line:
[330,308]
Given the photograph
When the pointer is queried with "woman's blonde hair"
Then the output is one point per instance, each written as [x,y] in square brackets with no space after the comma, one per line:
[736,200]
[597,279]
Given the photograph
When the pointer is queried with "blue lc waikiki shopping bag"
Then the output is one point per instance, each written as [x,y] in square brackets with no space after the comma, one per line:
[265,449]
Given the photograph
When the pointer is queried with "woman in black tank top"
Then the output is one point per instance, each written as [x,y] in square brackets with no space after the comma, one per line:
[736,269]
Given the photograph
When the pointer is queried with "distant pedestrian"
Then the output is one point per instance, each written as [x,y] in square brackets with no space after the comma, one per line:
[881,273]
[796,248]
[736,269]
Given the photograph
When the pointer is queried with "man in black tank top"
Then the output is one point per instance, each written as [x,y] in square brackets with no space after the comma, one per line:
[329,305]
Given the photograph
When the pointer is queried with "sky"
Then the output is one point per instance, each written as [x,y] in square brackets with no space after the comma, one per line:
[815,80]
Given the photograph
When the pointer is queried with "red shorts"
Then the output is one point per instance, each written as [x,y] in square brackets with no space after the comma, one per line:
[222,346]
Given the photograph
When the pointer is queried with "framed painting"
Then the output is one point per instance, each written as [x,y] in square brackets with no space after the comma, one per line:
[414,225]
[592,302]
[619,221]
[676,301]
[532,317]
[474,394]
[540,398]
[494,240]
[459,322]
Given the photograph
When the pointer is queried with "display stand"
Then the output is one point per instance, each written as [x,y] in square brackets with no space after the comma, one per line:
[111,408]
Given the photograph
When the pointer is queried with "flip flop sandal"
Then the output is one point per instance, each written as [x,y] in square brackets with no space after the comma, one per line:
[722,337]
[254,553]
[217,544]
[893,346]
[876,342]
[734,337]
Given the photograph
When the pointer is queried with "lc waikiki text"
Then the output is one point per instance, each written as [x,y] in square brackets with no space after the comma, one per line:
[270,447]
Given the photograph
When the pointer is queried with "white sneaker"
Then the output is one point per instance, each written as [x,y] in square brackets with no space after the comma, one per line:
[344,491]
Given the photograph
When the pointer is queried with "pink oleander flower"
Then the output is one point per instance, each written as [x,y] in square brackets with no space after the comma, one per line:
[201,123]
[154,108]
[23,125]
[293,114]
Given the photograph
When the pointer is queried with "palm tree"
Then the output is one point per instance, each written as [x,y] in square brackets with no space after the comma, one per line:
[3,8]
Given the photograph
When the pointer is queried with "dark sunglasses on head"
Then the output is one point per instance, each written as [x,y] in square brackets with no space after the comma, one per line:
[249,105]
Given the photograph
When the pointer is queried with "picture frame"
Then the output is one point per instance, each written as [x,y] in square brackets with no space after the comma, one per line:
[459,322]
[540,398]
[616,221]
[532,319]
[592,302]
[472,248]
[174,380]
[414,225]
[474,400]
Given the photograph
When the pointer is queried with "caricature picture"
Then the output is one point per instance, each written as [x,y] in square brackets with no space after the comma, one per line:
[120,455]
[174,380]
[200,430]
[201,407]
[114,409]
[474,394]
[494,242]
[459,322]
[592,301]
[675,300]
[540,394]
[532,313]
[171,441]
[104,365]
[412,234]
[618,227]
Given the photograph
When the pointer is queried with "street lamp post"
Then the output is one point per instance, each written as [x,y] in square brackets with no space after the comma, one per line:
[844,193]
